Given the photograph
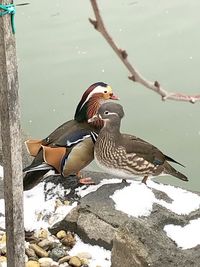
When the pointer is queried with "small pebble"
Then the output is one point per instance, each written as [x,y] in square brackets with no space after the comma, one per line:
[3,258]
[54,264]
[39,251]
[45,244]
[69,240]
[3,238]
[57,253]
[43,233]
[75,261]
[64,259]
[85,255]
[84,261]
[45,262]
[3,249]
[30,252]
[32,264]
[64,265]
[61,234]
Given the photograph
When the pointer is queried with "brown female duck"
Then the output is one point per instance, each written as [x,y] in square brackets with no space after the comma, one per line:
[126,155]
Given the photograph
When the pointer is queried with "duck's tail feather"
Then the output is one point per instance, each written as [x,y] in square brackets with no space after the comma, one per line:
[173,160]
[35,171]
[170,170]
[31,179]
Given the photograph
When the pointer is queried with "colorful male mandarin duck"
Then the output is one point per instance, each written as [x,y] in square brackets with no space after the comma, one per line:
[125,155]
[69,148]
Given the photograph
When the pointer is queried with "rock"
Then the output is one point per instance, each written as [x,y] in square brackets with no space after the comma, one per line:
[57,253]
[140,244]
[45,262]
[64,259]
[3,259]
[75,261]
[84,261]
[85,255]
[64,265]
[30,252]
[46,244]
[97,222]
[39,251]
[69,240]
[54,264]
[43,234]
[3,249]
[61,234]
[32,264]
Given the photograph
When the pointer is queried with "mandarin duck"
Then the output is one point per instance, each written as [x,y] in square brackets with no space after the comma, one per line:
[69,148]
[126,155]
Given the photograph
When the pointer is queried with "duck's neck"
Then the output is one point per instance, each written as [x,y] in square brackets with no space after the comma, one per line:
[111,130]
[88,110]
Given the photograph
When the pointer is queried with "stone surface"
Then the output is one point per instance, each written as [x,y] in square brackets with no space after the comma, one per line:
[75,261]
[38,250]
[57,253]
[134,241]
[139,244]
[61,234]
[32,264]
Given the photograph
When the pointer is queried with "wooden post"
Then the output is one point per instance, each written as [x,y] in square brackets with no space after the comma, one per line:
[11,143]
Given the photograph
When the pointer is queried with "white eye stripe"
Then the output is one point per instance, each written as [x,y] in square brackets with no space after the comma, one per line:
[112,113]
[98,89]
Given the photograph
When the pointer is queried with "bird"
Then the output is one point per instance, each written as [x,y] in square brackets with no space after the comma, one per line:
[69,148]
[126,155]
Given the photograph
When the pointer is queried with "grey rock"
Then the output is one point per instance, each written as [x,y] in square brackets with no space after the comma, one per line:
[134,241]
[138,244]
[57,253]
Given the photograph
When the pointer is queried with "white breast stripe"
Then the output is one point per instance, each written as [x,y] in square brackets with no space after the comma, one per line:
[77,141]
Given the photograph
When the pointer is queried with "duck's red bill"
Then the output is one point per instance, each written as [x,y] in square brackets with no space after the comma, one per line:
[114,97]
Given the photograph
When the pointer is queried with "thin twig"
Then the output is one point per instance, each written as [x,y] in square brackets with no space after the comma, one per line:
[135,75]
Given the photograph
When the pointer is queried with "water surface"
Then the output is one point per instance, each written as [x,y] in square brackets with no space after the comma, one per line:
[60,55]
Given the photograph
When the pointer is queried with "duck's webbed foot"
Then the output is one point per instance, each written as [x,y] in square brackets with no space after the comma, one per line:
[84,180]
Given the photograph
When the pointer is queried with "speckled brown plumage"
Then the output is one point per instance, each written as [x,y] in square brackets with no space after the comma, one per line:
[127,155]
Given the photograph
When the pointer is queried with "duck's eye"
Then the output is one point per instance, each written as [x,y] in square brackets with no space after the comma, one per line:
[106,112]
[105,92]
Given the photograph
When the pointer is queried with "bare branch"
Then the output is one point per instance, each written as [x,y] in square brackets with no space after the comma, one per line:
[135,75]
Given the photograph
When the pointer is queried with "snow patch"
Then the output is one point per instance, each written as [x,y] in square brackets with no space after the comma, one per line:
[135,200]
[138,199]
[1,171]
[100,256]
[185,237]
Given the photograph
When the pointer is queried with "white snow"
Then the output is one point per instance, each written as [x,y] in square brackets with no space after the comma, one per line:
[100,256]
[38,212]
[185,237]
[140,199]
[1,171]
[135,200]
[41,213]
[184,201]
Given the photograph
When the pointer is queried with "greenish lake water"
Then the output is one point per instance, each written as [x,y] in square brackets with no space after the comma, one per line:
[60,55]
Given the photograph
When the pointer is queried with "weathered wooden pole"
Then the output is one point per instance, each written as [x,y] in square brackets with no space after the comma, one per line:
[11,143]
